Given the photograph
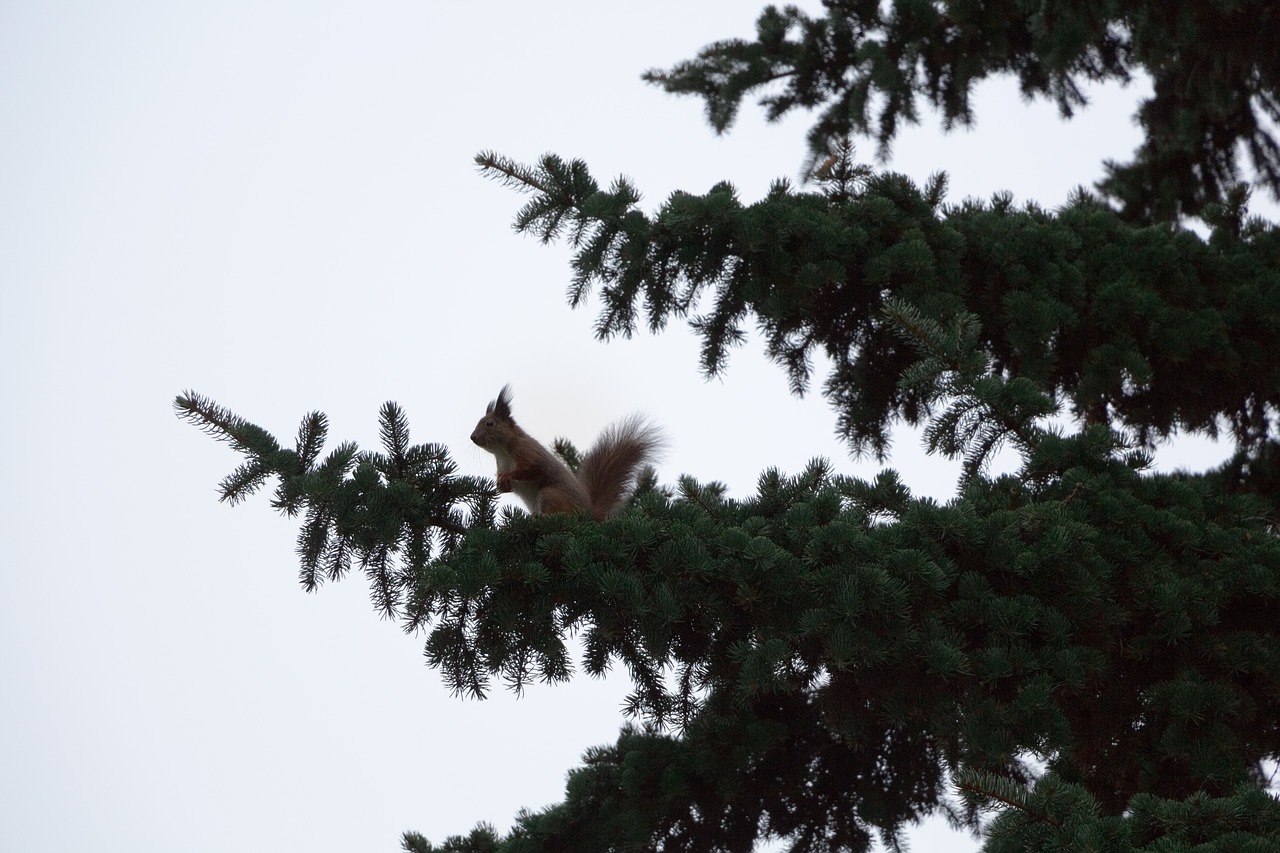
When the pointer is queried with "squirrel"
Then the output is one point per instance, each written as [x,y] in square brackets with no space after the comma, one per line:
[546,484]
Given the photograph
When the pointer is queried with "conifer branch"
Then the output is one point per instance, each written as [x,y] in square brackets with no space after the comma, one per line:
[1197,124]
[374,508]
[395,437]
[886,239]
[982,408]
[511,173]
[218,422]
[311,437]
[242,482]
[1000,789]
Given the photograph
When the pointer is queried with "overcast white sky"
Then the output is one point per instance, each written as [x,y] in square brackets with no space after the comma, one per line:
[274,203]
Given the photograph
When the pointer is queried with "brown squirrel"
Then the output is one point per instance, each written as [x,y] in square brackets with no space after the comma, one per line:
[546,484]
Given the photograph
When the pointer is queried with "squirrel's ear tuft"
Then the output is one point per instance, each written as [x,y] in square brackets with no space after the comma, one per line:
[502,406]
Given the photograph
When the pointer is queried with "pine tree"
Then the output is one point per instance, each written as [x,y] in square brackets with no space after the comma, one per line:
[1085,648]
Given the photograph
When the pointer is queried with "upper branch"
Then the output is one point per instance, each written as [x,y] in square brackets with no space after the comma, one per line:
[864,63]
[1150,328]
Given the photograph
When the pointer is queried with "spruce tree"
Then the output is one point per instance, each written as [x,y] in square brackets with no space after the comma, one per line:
[1086,648]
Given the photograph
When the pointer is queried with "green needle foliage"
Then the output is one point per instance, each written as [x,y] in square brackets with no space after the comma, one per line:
[1083,654]
[1153,328]
[864,64]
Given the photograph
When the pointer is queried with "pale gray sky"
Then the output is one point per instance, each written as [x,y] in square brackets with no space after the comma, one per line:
[274,203]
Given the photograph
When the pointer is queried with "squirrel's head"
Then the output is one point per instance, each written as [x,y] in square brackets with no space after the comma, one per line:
[497,417]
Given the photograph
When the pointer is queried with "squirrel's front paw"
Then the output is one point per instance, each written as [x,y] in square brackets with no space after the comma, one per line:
[504,481]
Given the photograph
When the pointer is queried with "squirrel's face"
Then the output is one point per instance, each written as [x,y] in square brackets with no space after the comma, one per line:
[494,429]
[483,433]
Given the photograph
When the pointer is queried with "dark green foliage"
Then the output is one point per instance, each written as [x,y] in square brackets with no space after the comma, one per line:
[481,840]
[831,648]
[1057,815]
[1088,648]
[1153,329]
[1214,68]
[389,513]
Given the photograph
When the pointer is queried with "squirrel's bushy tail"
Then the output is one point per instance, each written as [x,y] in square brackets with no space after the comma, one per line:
[609,470]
